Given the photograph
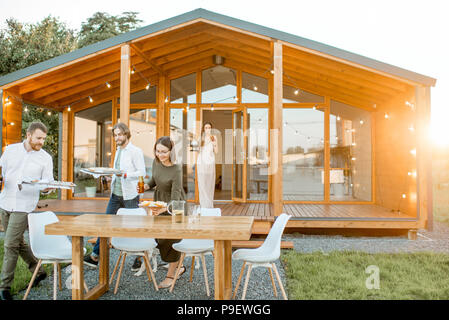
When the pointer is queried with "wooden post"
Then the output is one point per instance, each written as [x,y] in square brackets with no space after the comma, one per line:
[424,156]
[125,83]
[327,155]
[276,137]
[65,152]
[161,119]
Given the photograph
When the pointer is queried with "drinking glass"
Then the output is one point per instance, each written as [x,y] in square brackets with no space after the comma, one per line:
[196,213]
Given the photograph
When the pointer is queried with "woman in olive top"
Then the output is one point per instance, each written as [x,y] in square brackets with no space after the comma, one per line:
[167,178]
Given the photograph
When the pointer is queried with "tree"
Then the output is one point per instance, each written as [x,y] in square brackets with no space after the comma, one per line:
[102,26]
[23,45]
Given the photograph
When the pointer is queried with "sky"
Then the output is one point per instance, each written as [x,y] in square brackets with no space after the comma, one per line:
[410,34]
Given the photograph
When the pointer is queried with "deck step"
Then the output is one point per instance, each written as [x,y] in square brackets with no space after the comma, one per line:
[257,243]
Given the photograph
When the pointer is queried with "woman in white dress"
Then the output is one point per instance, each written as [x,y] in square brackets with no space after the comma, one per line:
[206,166]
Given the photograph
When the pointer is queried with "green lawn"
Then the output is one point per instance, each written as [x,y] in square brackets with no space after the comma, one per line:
[341,275]
[22,275]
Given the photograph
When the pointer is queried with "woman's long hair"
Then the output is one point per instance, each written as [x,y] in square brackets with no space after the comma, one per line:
[166,141]
[202,132]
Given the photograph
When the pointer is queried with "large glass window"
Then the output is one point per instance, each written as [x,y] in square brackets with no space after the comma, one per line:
[92,148]
[257,165]
[182,132]
[296,95]
[219,85]
[303,154]
[142,124]
[183,89]
[254,89]
[350,147]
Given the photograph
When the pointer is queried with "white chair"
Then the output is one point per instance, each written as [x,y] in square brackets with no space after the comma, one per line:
[196,248]
[48,248]
[133,247]
[264,256]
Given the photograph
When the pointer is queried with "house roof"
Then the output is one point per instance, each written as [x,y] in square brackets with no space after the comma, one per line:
[229,21]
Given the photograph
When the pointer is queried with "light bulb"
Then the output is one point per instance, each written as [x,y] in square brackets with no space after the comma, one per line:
[338,118]
[90,99]
[413,152]
[255,88]
[296,92]
[147,87]
[108,84]
[386,116]
[404,196]
[361,121]
[68,108]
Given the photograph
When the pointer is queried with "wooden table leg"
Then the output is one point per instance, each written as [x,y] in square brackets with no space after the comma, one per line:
[219,268]
[104,263]
[227,269]
[103,277]
[77,268]
[223,269]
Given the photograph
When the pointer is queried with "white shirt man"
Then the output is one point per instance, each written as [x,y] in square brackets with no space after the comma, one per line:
[131,161]
[19,165]
[21,162]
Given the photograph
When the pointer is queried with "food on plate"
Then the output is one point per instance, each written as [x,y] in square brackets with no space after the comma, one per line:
[153,204]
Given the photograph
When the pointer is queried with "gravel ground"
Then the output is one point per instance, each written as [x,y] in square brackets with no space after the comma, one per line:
[259,287]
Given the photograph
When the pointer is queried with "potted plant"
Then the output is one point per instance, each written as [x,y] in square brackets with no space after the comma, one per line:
[91,187]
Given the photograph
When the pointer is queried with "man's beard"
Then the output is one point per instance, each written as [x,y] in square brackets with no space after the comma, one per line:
[35,146]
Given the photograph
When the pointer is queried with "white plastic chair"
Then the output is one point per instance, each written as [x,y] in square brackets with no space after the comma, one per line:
[264,256]
[196,248]
[48,248]
[133,247]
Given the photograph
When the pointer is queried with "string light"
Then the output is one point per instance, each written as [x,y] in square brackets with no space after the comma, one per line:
[404,196]
[108,84]
[255,88]
[49,113]
[338,118]
[11,123]
[296,92]
[413,152]
[147,87]
[90,99]
[386,116]
[361,121]
[166,99]
[412,174]
[69,109]
[26,109]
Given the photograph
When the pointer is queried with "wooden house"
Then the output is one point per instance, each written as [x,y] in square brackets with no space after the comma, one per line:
[336,139]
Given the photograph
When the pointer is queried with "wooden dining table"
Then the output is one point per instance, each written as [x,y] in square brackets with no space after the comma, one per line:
[222,230]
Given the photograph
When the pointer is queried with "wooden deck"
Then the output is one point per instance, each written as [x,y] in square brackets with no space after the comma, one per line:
[261,211]
[320,217]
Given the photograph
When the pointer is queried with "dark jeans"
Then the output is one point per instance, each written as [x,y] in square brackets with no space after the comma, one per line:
[115,203]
